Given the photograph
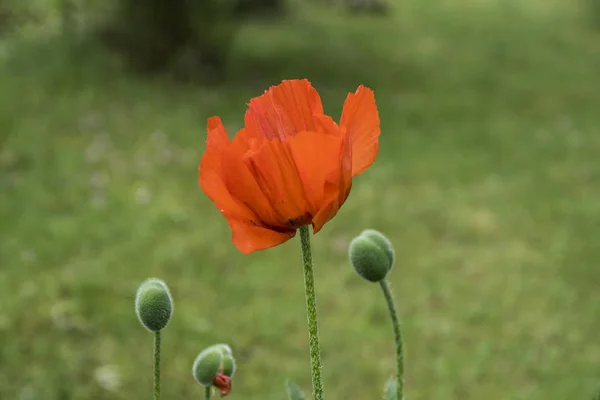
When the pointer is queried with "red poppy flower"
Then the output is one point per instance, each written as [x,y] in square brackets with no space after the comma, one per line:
[291,165]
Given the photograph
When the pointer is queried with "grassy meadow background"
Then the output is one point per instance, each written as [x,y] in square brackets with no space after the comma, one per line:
[487,182]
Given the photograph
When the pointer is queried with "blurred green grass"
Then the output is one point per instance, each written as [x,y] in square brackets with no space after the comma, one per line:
[487,182]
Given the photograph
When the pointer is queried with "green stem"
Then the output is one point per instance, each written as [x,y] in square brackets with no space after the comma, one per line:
[157,365]
[207,392]
[311,311]
[389,298]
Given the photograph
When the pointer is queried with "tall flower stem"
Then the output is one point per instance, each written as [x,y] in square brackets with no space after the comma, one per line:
[311,311]
[207,392]
[389,299]
[157,365]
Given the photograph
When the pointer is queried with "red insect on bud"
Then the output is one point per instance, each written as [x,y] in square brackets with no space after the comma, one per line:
[215,367]
[223,382]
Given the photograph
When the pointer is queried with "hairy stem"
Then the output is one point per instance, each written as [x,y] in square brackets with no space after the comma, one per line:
[311,311]
[389,299]
[157,365]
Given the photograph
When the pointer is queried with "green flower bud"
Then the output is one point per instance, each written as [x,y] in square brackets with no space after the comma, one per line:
[212,361]
[153,304]
[207,365]
[383,242]
[228,365]
[372,255]
[225,349]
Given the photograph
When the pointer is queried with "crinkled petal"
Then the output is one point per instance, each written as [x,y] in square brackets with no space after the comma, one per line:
[338,183]
[249,238]
[274,169]
[360,119]
[211,173]
[242,184]
[284,110]
[317,157]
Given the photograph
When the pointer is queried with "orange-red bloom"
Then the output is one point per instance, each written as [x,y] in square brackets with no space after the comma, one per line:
[290,166]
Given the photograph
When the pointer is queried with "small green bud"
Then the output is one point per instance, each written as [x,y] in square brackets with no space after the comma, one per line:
[212,361]
[225,349]
[383,242]
[228,365]
[153,304]
[372,255]
[207,365]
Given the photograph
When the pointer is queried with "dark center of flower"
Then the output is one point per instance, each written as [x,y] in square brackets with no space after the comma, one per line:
[299,222]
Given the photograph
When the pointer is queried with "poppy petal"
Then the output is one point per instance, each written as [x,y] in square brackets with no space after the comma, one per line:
[361,121]
[248,237]
[337,186]
[241,183]
[272,166]
[316,157]
[211,172]
[284,110]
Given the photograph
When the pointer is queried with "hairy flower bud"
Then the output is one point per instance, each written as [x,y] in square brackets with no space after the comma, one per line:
[215,366]
[372,255]
[382,241]
[207,365]
[225,349]
[153,304]
[228,365]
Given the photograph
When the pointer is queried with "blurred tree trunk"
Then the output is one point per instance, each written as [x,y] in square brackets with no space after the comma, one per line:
[155,35]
